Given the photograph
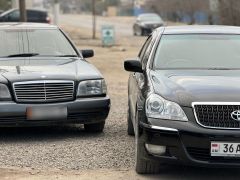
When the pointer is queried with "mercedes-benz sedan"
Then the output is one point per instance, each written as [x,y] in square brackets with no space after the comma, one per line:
[45,80]
[184,98]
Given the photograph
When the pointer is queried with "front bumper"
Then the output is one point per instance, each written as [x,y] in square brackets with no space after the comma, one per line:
[80,111]
[187,142]
[149,29]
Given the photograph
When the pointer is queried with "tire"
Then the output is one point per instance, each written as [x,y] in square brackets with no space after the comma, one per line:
[139,31]
[130,129]
[134,32]
[143,165]
[95,128]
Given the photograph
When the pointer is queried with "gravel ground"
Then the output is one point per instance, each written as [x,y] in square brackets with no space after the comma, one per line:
[70,148]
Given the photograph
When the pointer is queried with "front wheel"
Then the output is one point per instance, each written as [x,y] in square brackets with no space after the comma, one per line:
[139,31]
[95,128]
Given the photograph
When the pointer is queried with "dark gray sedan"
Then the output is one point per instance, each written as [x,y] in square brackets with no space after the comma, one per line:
[45,80]
[146,23]
[184,103]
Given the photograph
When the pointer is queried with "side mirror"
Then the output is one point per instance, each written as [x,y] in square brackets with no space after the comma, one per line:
[87,53]
[133,66]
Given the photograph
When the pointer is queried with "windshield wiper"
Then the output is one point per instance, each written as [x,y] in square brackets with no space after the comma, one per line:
[23,55]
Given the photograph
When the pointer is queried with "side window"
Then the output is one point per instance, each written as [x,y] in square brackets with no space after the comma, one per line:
[14,16]
[145,53]
[144,48]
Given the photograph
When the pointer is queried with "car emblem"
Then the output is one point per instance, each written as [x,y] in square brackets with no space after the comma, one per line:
[236,115]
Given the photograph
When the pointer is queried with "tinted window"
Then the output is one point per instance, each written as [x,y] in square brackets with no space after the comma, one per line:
[44,42]
[13,16]
[198,51]
[144,48]
[36,14]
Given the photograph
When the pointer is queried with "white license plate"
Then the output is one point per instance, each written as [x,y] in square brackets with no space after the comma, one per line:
[225,149]
[46,113]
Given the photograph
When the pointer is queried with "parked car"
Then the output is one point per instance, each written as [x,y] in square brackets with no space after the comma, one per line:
[33,15]
[184,103]
[45,80]
[1,11]
[146,23]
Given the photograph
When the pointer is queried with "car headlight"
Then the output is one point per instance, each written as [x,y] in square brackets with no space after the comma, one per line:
[157,107]
[4,92]
[92,88]
[143,24]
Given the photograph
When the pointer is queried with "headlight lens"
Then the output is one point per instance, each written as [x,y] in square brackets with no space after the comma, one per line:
[143,25]
[4,92]
[92,88]
[157,107]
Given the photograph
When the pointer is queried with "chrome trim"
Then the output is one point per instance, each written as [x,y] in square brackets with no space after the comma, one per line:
[44,82]
[158,127]
[213,103]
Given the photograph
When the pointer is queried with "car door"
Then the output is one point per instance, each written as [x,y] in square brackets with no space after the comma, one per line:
[136,79]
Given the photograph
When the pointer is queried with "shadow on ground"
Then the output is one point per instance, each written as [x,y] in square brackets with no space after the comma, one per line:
[195,173]
[52,133]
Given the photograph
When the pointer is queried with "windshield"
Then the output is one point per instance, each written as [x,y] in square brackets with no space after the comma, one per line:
[201,51]
[41,42]
[150,18]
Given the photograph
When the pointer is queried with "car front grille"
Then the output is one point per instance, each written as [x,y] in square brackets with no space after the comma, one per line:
[217,115]
[44,91]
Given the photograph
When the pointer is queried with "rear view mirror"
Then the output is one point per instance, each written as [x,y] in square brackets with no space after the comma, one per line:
[133,66]
[87,53]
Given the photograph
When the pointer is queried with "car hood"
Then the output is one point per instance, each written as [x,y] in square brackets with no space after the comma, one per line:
[185,87]
[27,69]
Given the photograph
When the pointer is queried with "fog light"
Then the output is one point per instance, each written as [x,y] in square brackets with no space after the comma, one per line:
[155,149]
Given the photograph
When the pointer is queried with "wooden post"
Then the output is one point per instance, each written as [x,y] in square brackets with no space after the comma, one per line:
[94,19]
[22,9]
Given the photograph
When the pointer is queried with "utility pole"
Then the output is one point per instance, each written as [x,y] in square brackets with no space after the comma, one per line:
[22,9]
[94,19]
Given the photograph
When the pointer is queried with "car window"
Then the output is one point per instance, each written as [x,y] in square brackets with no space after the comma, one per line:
[45,42]
[198,51]
[35,14]
[14,16]
[32,14]
[144,48]
[146,51]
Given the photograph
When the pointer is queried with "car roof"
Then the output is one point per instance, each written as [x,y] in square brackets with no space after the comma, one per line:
[18,25]
[200,29]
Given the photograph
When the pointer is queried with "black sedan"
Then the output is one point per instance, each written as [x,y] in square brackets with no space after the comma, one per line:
[45,80]
[184,103]
[146,23]
[33,15]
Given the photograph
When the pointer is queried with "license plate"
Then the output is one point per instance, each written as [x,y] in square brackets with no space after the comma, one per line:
[225,149]
[46,113]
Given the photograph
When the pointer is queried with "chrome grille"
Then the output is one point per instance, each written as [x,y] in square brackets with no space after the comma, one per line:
[216,115]
[44,91]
